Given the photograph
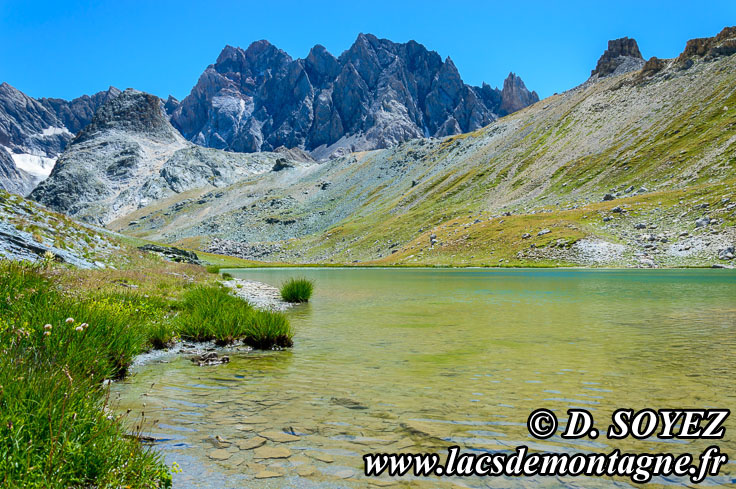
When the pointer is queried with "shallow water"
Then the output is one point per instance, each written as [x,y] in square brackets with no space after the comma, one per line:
[388,360]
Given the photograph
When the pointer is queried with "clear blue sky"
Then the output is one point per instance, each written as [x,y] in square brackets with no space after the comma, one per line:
[60,48]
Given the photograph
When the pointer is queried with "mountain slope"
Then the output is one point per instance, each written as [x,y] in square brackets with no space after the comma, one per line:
[660,139]
[129,156]
[375,95]
[34,132]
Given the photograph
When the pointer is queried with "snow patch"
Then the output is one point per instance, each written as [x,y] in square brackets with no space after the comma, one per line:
[38,166]
[54,131]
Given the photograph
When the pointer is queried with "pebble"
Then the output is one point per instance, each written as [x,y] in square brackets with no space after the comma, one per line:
[272,452]
[267,474]
[344,473]
[219,454]
[305,470]
[322,457]
[251,443]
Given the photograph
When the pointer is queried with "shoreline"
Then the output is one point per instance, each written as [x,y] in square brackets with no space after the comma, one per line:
[258,294]
[287,266]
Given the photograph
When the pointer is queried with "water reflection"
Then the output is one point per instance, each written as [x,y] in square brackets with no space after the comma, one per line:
[417,360]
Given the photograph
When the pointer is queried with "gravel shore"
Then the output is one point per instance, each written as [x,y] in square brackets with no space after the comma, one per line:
[258,294]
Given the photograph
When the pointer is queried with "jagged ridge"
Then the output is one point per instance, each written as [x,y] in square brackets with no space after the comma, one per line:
[375,95]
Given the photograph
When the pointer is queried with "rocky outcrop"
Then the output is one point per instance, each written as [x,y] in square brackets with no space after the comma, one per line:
[28,126]
[709,48]
[515,95]
[35,131]
[77,113]
[294,154]
[621,57]
[31,233]
[376,94]
[130,155]
[172,253]
[171,105]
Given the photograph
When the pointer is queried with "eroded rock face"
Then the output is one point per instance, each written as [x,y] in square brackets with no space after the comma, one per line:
[621,57]
[130,155]
[515,95]
[709,48]
[35,131]
[77,113]
[376,94]
[45,126]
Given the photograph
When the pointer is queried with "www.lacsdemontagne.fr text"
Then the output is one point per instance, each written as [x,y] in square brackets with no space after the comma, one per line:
[640,468]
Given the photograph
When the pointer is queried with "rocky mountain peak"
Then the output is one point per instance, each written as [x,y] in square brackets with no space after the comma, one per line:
[515,95]
[375,94]
[171,104]
[77,113]
[130,155]
[131,111]
[321,65]
[622,56]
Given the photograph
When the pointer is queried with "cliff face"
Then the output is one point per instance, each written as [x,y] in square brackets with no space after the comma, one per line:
[376,94]
[43,127]
[621,57]
[35,131]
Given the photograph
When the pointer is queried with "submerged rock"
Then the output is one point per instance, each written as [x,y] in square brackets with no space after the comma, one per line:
[172,253]
[210,358]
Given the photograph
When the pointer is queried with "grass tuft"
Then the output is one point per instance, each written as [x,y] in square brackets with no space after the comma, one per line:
[268,329]
[297,290]
[212,313]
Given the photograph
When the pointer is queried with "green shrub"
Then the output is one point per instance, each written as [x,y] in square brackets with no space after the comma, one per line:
[212,313]
[227,276]
[213,268]
[161,335]
[297,290]
[268,329]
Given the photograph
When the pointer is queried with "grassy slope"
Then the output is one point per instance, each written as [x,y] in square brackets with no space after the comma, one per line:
[55,426]
[686,143]
[671,132]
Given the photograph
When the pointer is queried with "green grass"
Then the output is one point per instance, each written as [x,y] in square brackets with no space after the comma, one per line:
[268,329]
[297,290]
[63,332]
[54,428]
[212,313]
